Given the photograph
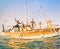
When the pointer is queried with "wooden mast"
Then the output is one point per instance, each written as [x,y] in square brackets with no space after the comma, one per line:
[26,14]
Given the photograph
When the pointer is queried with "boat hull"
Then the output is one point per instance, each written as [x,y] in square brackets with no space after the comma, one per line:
[31,34]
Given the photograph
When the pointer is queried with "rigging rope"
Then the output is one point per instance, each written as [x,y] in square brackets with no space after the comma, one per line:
[43,14]
[41,11]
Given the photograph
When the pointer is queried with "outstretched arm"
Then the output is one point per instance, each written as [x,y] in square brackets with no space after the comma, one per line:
[15,19]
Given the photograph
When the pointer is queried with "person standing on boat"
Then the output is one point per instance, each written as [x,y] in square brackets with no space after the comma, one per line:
[22,26]
[32,23]
[50,26]
[40,25]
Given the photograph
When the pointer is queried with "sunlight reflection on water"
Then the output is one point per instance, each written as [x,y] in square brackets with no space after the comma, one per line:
[13,43]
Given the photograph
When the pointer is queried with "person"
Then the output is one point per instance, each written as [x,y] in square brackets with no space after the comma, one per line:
[40,25]
[17,25]
[3,28]
[22,26]
[50,26]
[32,24]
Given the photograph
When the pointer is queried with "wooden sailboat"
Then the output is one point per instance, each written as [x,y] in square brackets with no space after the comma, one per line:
[32,33]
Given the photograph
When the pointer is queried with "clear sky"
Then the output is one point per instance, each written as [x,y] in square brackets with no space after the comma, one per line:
[17,8]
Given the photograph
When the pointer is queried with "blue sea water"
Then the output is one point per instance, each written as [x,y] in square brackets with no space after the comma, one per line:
[46,43]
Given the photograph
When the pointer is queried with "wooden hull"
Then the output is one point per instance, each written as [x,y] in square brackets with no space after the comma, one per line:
[32,34]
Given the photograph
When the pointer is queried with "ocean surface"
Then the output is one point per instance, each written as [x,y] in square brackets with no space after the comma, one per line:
[43,43]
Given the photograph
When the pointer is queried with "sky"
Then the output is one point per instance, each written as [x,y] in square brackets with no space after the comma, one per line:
[17,8]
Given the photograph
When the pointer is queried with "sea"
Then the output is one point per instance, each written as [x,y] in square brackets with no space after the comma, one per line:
[42,43]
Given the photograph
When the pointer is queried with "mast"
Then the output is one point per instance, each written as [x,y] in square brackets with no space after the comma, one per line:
[26,14]
[22,31]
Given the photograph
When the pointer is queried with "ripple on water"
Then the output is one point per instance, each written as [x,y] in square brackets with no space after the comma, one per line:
[13,43]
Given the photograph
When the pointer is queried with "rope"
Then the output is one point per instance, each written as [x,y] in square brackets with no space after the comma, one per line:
[41,11]
[43,14]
